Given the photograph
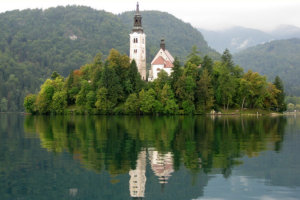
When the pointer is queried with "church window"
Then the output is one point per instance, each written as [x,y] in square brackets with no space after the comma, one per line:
[136,40]
[158,69]
[135,51]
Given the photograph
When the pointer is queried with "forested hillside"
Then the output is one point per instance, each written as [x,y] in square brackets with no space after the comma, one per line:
[275,58]
[179,36]
[34,43]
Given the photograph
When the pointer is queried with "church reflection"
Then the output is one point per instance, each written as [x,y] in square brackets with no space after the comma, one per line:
[161,165]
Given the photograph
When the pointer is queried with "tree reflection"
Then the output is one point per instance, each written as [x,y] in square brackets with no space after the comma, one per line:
[113,143]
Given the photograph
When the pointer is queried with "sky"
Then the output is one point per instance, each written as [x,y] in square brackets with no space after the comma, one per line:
[208,14]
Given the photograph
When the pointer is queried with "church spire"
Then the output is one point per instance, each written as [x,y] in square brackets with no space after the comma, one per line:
[137,7]
[162,44]
[137,22]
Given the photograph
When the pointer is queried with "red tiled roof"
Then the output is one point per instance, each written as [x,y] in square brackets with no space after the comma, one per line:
[168,64]
[161,61]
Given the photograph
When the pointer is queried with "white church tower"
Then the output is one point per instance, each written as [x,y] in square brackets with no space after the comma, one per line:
[138,44]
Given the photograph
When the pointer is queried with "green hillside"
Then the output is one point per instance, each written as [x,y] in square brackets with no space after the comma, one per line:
[34,43]
[179,36]
[281,57]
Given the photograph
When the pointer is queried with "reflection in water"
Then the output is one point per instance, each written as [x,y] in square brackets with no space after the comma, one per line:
[115,143]
[137,182]
[161,164]
[123,145]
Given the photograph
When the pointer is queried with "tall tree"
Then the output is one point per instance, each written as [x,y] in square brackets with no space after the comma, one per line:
[281,95]
[226,59]
[194,56]
[204,92]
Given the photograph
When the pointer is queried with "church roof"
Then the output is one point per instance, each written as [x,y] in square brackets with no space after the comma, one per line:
[169,56]
[161,61]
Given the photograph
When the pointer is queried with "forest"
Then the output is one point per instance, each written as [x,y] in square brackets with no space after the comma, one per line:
[276,58]
[34,43]
[114,86]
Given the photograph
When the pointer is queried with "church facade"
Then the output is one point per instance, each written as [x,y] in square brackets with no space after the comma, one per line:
[138,44]
[162,61]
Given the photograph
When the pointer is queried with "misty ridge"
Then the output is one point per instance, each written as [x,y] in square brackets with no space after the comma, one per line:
[239,38]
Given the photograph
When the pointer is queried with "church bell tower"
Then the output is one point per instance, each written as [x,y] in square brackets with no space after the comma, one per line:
[138,44]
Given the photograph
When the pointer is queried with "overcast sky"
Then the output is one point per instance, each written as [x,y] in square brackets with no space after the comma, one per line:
[208,14]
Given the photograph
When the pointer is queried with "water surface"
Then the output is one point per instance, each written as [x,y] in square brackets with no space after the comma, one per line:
[128,157]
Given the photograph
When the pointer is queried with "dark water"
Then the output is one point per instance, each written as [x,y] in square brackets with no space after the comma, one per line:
[123,157]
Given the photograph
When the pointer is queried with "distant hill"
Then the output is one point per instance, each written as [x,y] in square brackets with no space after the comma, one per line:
[240,38]
[179,36]
[281,57]
[34,43]
[235,39]
[286,32]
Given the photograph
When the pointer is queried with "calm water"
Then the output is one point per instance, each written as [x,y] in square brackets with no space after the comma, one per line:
[98,157]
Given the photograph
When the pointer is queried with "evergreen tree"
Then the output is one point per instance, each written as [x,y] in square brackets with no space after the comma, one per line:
[204,92]
[194,56]
[176,74]
[281,95]
[226,59]
[207,64]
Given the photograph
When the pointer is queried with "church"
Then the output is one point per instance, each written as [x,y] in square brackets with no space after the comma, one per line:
[163,59]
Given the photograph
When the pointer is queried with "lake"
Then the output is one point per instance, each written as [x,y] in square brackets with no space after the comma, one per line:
[129,157]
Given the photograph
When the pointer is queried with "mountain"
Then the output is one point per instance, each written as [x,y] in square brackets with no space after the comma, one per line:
[179,36]
[280,57]
[34,43]
[239,38]
[235,39]
[286,32]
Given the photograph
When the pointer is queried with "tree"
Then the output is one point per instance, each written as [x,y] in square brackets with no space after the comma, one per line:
[167,100]
[59,102]
[44,98]
[81,97]
[226,59]
[134,78]
[204,92]
[111,82]
[29,103]
[207,64]
[132,104]
[3,105]
[54,75]
[176,73]
[280,97]
[194,56]
[270,95]
[90,100]
[225,87]
[103,104]
[147,101]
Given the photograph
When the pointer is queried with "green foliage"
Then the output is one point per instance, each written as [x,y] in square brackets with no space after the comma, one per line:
[276,58]
[147,101]
[29,103]
[103,104]
[3,105]
[132,104]
[280,97]
[59,102]
[35,43]
[204,93]
[102,89]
